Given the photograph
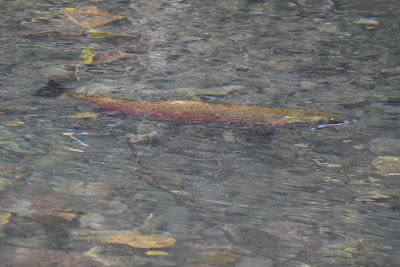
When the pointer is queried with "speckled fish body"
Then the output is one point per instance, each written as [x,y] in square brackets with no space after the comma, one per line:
[199,112]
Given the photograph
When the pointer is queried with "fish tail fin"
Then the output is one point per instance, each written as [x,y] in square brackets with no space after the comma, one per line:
[52,89]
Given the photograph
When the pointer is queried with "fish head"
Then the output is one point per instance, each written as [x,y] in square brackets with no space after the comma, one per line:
[315,117]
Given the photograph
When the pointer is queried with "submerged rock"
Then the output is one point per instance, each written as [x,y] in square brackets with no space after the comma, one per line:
[306,85]
[386,165]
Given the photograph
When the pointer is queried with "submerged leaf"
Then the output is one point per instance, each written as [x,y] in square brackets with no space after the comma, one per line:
[75,150]
[156,253]
[14,123]
[136,240]
[130,238]
[89,16]
[84,115]
[101,34]
[4,217]
[88,54]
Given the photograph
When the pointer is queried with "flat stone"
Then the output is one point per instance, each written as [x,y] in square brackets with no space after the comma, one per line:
[306,85]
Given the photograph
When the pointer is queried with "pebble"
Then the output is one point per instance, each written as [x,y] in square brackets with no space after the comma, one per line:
[306,85]
[330,27]
[241,37]
[196,47]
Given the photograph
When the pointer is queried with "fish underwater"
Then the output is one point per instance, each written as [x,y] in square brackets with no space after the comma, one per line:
[201,112]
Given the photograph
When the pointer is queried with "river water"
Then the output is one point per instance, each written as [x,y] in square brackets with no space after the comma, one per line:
[204,194]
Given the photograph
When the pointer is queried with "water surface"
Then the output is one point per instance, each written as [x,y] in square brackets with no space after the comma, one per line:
[231,195]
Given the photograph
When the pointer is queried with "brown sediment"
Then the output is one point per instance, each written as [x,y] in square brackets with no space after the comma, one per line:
[199,112]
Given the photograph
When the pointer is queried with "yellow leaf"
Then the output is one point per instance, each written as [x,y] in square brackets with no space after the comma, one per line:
[156,253]
[89,16]
[14,123]
[77,71]
[4,217]
[75,150]
[101,34]
[136,240]
[88,55]
[84,115]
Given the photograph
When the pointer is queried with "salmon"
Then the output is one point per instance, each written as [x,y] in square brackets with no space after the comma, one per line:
[200,112]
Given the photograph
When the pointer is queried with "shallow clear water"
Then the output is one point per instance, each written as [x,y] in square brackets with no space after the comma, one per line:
[230,195]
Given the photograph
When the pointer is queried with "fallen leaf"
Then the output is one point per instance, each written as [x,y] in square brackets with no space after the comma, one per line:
[136,240]
[84,115]
[89,16]
[156,253]
[4,217]
[101,34]
[75,150]
[14,123]
[88,54]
